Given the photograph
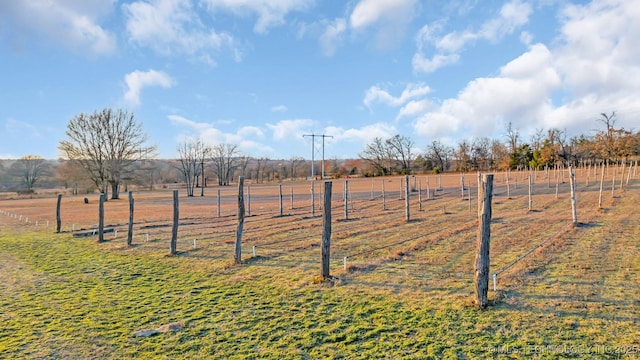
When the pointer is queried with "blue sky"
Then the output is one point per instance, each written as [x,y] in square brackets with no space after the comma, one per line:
[261,73]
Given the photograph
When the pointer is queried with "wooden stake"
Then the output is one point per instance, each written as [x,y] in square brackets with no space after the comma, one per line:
[130,233]
[482,260]
[237,258]
[173,246]
[326,231]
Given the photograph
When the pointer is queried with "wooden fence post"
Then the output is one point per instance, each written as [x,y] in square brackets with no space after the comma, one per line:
[249,200]
[58,218]
[346,199]
[101,218]
[280,191]
[572,180]
[130,234]
[218,202]
[326,231]
[530,193]
[237,259]
[174,230]
[313,198]
[407,210]
[482,261]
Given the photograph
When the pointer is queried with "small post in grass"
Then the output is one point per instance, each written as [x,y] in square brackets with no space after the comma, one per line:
[174,230]
[58,218]
[482,261]
[101,219]
[326,231]
[130,234]
[237,258]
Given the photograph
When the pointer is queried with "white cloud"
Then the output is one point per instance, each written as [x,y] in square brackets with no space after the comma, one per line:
[414,108]
[137,80]
[362,135]
[447,48]
[72,23]
[291,129]
[332,36]
[270,12]
[389,18]
[247,137]
[173,27]
[369,12]
[592,68]
[376,94]
[279,108]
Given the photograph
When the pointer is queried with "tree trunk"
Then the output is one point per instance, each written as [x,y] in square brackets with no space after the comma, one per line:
[115,190]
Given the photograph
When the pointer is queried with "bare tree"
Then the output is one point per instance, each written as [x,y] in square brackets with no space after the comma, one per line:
[29,168]
[377,155]
[439,155]
[401,149]
[294,163]
[225,158]
[513,137]
[106,144]
[192,154]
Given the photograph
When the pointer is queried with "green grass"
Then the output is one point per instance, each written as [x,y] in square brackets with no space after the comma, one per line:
[63,297]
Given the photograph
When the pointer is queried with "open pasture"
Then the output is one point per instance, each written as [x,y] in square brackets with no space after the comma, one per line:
[400,288]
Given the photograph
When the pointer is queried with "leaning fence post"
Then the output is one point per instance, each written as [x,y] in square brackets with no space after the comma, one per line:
[238,254]
[101,218]
[326,231]
[174,229]
[280,197]
[58,218]
[482,261]
[346,199]
[130,235]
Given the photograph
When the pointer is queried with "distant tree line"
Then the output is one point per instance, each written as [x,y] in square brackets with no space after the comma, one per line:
[546,149]
[107,151]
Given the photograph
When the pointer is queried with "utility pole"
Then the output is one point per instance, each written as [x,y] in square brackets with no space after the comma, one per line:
[313,148]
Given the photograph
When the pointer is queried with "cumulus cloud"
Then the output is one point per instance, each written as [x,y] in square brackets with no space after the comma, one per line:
[248,138]
[376,94]
[74,24]
[362,135]
[389,18]
[291,129]
[447,48]
[270,12]
[137,80]
[590,69]
[173,27]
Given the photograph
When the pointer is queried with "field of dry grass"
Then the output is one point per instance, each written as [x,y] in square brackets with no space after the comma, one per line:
[579,287]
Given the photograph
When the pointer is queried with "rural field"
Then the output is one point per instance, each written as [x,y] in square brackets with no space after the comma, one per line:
[399,288]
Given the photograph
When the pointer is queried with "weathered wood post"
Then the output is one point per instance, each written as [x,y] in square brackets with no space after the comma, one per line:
[58,218]
[173,246]
[249,200]
[601,186]
[407,210]
[218,200]
[326,231]
[462,186]
[572,181]
[237,258]
[428,189]
[313,198]
[101,218]
[280,197]
[291,196]
[483,240]
[384,200]
[130,233]
[420,195]
[530,193]
[508,190]
[346,199]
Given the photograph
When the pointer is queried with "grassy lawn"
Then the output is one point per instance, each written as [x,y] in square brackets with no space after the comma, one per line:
[72,298]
